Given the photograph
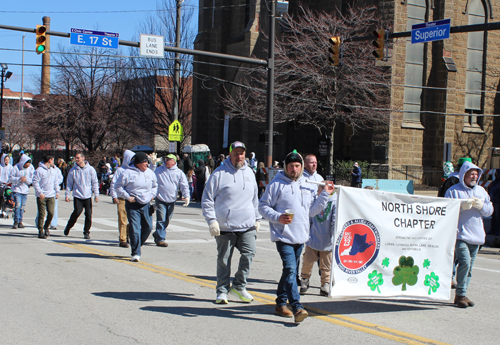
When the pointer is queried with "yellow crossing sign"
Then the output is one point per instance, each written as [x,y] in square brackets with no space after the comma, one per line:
[175,131]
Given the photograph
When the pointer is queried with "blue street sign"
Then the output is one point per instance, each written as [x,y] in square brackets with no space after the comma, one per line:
[431,31]
[91,38]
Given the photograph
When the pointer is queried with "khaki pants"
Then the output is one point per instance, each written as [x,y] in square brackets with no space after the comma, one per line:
[122,220]
[325,264]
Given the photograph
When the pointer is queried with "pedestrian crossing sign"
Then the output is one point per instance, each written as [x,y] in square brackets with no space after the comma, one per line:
[175,131]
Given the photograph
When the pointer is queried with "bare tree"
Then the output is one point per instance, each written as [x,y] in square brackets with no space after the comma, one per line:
[17,129]
[151,92]
[308,89]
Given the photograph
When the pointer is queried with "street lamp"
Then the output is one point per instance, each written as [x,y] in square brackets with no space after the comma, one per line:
[5,75]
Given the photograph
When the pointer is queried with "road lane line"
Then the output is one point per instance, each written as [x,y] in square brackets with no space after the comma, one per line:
[337,319]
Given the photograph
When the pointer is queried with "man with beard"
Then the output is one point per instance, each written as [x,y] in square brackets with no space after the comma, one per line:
[230,208]
[288,197]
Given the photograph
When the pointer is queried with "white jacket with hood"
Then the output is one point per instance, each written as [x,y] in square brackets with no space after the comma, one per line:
[169,182]
[45,181]
[230,198]
[141,185]
[284,193]
[470,222]
[127,157]
[19,171]
[82,181]
[5,169]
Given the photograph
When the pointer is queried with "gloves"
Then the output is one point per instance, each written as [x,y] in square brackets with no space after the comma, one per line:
[477,203]
[467,204]
[186,202]
[214,229]
[257,225]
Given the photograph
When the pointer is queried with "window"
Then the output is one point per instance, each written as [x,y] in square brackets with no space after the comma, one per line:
[414,68]
[475,71]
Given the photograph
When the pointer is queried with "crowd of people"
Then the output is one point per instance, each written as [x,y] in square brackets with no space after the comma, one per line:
[298,203]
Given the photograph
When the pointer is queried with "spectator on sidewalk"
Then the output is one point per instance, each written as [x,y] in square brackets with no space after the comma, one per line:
[21,177]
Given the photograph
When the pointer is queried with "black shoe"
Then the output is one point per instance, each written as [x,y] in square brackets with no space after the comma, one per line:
[15,225]
[20,226]
[86,236]
[47,233]
[41,234]
[66,232]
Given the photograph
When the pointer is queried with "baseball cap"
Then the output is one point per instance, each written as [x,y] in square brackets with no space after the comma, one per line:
[237,144]
[171,156]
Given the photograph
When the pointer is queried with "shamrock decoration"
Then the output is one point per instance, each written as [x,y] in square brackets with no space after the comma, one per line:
[385,262]
[432,281]
[426,263]
[405,273]
[375,280]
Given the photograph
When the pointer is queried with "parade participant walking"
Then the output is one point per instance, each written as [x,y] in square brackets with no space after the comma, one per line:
[310,170]
[288,197]
[319,247]
[21,177]
[230,208]
[123,226]
[46,184]
[476,204]
[356,176]
[82,180]
[170,180]
[137,185]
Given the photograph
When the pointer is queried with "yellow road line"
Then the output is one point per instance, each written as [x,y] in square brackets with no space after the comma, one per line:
[337,319]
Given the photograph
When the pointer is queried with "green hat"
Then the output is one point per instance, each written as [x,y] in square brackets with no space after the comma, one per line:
[171,156]
[463,160]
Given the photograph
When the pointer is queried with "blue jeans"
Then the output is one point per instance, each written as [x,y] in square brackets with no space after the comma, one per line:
[287,286]
[164,212]
[466,254]
[20,200]
[140,225]
[245,242]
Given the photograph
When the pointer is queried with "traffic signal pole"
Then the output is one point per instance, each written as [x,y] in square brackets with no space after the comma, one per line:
[270,87]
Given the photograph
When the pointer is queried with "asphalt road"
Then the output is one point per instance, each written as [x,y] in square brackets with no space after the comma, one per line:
[67,290]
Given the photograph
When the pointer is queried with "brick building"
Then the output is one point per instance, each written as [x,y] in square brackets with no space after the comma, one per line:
[439,90]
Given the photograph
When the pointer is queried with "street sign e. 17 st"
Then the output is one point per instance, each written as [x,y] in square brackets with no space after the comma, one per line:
[431,31]
[92,38]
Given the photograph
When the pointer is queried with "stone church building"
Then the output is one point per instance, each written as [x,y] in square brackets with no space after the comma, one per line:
[444,94]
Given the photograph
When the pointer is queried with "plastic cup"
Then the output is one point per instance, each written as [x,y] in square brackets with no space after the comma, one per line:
[290,213]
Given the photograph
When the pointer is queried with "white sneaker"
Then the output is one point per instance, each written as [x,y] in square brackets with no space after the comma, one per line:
[243,295]
[135,258]
[221,298]
[324,290]
[304,285]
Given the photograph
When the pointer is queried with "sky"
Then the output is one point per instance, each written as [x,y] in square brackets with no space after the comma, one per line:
[123,17]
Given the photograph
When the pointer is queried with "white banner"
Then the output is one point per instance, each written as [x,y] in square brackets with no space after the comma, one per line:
[393,245]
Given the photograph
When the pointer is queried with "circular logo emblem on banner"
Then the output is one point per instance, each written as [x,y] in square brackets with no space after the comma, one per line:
[357,246]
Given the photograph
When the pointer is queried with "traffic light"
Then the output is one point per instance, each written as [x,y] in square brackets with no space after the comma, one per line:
[334,50]
[40,38]
[379,44]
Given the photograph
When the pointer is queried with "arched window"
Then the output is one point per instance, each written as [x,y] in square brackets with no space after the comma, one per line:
[414,67]
[475,61]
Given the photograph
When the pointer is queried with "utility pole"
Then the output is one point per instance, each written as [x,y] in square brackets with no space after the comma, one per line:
[270,86]
[45,87]
[177,68]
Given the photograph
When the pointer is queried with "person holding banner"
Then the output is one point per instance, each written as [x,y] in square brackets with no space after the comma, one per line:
[475,205]
[288,205]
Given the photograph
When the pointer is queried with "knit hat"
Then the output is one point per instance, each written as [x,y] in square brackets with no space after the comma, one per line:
[140,157]
[237,144]
[292,157]
[171,156]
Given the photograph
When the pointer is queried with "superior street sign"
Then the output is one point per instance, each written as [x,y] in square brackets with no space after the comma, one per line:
[431,31]
[91,38]
[152,46]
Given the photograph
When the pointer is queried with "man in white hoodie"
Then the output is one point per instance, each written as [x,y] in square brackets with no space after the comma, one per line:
[288,192]
[45,182]
[476,204]
[170,179]
[229,205]
[21,177]
[5,169]
[137,185]
[123,226]
[82,180]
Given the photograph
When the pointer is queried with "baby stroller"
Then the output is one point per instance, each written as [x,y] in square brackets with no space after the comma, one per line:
[6,200]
